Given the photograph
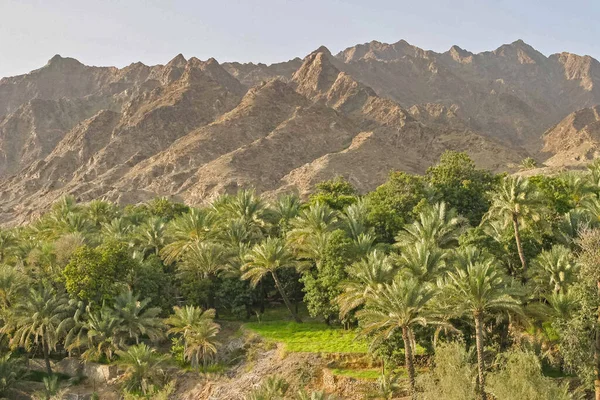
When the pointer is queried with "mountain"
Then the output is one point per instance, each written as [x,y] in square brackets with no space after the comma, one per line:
[193,129]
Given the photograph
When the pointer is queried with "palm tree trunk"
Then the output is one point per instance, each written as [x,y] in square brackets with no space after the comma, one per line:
[285,299]
[46,352]
[480,362]
[519,245]
[410,366]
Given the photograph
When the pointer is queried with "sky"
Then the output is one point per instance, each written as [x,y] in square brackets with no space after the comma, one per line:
[119,32]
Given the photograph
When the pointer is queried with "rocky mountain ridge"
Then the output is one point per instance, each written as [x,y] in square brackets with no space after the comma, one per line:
[193,129]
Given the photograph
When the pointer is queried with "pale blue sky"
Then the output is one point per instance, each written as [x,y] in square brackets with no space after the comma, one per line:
[118,32]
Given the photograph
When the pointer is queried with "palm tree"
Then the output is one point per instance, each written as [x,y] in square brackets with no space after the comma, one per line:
[477,288]
[205,260]
[12,285]
[101,212]
[283,211]
[577,187]
[422,261]
[246,206]
[39,319]
[399,305]
[310,231]
[192,227]
[364,277]
[198,331]
[518,203]
[201,344]
[101,333]
[267,258]
[435,225]
[143,368]
[136,317]
[354,219]
[319,395]
[573,222]
[9,246]
[119,229]
[150,236]
[555,267]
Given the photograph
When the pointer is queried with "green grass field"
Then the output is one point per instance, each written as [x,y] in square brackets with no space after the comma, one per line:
[310,337]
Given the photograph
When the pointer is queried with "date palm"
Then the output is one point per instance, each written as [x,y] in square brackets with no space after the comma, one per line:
[310,231]
[400,305]
[422,261]
[364,278]
[283,210]
[555,268]
[436,226]
[39,318]
[515,202]
[477,288]
[192,227]
[150,236]
[267,258]
[198,331]
[143,368]
[136,317]
[205,260]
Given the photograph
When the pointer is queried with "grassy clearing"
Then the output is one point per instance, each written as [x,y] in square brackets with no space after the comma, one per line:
[309,337]
[364,374]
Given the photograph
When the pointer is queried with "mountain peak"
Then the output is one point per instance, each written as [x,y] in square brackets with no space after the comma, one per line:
[178,61]
[58,61]
[322,49]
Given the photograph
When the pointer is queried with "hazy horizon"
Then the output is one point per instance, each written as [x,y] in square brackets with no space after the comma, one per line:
[118,33]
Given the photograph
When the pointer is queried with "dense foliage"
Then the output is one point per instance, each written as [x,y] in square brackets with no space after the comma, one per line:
[457,259]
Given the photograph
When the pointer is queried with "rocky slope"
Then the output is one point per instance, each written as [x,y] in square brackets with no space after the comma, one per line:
[193,129]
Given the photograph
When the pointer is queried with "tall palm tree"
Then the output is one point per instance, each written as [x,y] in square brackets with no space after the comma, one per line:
[267,258]
[399,305]
[39,319]
[515,202]
[436,225]
[192,227]
[555,268]
[364,278]
[205,260]
[478,288]
[136,317]
[422,261]
[247,206]
[311,229]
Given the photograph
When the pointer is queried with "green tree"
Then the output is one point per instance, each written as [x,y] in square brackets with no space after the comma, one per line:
[143,369]
[39,319]
[477,288]
[435,226]
[337,193]
[267,258]
[137,319]
[400,305]
[516,202]
[391,205]
[198,332]
[555,269]
[98,274]
[461,184]
[322,284]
